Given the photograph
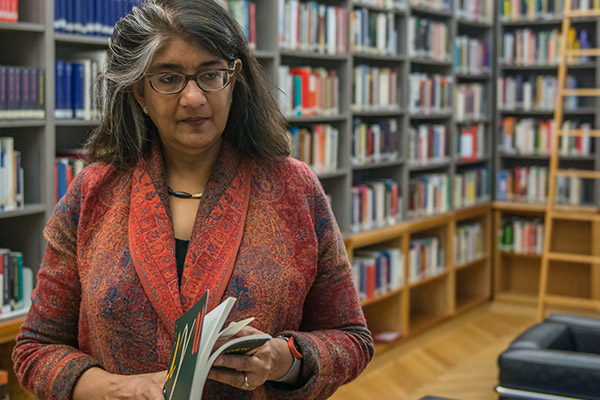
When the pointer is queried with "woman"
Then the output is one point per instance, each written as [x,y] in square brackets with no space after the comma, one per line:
[190,191]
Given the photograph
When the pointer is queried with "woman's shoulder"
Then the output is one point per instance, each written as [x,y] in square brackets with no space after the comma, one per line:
[290,168]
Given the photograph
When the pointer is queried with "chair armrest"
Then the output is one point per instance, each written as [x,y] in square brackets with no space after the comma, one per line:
[545,335]
[555,372]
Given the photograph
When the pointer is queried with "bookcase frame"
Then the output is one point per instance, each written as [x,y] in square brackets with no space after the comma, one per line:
[517,276]
[410,309]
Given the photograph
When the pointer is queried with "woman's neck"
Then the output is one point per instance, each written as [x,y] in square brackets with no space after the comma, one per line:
[189,173]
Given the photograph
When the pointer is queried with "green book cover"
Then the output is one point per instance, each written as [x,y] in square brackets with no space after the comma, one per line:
[195,336]
[186,342]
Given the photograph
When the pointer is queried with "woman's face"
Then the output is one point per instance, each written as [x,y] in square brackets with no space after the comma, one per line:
[189,122]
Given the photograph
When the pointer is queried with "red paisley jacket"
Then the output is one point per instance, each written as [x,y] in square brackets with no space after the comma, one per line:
[108,296]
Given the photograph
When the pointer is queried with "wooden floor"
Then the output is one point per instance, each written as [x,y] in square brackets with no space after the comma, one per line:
[456,359]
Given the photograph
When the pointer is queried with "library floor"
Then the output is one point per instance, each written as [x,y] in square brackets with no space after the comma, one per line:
[456,359]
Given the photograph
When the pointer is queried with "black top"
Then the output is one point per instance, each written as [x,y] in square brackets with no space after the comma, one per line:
[181,247]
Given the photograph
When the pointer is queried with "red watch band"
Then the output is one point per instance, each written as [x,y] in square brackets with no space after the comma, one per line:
[293,348]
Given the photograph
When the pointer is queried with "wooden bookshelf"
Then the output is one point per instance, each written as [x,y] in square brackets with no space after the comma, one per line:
[410,309]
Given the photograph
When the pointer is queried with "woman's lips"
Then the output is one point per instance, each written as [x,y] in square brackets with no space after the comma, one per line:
[195,121]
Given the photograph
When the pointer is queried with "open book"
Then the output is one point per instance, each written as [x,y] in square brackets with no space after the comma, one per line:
[196,333]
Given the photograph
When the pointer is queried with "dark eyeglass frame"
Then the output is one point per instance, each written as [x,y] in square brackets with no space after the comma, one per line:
[230,71]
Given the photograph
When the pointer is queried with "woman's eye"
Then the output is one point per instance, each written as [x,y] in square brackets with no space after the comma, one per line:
[170,79]
[210,76]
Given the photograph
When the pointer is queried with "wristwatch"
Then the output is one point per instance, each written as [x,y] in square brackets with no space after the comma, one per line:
[292,375]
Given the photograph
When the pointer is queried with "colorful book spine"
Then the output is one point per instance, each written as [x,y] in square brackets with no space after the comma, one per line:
[426,258]
[531,93]
[470,102]
[374,204]
[373,32]
[20,97]
[313,27]
[471,56]
[428,39]
[317,145]
[375,89]
[430,94]
[521,235]
[374,142]
[377,271]
[90,17]
[468,244]
[428,194]
[308,91]
[427,144]
[9,11]
[65,169]
[471,187]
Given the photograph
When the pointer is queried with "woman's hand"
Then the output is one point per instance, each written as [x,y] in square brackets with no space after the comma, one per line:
[95,383]
[272,360]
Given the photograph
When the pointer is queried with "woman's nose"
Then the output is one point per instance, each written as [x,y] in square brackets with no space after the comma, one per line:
[192,95]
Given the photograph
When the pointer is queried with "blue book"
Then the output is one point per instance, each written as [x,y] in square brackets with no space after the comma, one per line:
[70,15]
[297,110]
[3,87]
[61,178]
[502,185]
[68,90]
[77,89]
[59,89]
[60,15]
[77,16]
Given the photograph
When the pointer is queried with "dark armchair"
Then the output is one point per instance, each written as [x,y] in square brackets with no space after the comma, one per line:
[557,357]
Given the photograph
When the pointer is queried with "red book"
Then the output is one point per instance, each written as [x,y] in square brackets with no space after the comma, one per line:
[468,143]
[252,25]
[370,286]
[304,74]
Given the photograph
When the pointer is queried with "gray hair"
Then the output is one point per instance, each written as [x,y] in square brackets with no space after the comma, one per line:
[255,125]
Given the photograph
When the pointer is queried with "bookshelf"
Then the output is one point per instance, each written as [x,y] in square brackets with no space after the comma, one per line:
[388,51]
[524,131]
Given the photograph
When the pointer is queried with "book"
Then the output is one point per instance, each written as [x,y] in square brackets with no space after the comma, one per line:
[195,336]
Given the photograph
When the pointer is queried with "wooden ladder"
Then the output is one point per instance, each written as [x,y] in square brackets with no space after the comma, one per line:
[573,213]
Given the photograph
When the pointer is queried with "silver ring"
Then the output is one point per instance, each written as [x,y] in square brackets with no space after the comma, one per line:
[245,385]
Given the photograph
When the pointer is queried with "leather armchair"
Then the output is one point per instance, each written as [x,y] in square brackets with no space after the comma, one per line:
[559,356]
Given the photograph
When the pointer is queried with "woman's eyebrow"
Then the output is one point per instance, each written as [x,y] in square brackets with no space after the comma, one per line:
[173,66]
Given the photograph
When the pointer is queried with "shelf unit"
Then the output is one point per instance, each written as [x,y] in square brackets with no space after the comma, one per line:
[411,309]
[517,276]
[416,306]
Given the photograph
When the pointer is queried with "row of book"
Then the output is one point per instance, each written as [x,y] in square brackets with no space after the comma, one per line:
[428,194]
[75,91]
[16,283]
[65,169]
[533,93]
[244,12]
[527,184]
[430,94]
[468,243]
[574,191]
[532,136]
[373,32]
[382,4]
[374,204]
[471,143]
[311,26]
[470,102]
[435,5]
[472,187]
[426,258]
[427,144]
[307,91]
[515,10]
[9,11]
[21,92]
[90,17]
[476,10]
[377,271]
[585,5]
[316,145]
[521,235]
[471,56]
[375,88]
[525,47]
[374,142]
[428,38]
[12,196]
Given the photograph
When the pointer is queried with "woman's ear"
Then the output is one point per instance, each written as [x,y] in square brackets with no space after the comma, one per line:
[138,92]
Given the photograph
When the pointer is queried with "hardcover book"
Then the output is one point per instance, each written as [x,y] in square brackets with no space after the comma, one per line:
[196,333]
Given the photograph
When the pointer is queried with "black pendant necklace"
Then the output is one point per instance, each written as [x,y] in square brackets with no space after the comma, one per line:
[183,195]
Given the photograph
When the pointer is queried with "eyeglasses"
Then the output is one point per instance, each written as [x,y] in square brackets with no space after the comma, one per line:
[209,81]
